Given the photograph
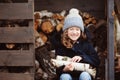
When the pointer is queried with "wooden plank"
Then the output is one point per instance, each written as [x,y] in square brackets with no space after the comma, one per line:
[16,76]
[63,5]
[16,58]
[16,11]
[97,9]
[110,24]
[16,35]
[13,1]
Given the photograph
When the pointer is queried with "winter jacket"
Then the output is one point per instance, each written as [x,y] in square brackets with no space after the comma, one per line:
[80,48]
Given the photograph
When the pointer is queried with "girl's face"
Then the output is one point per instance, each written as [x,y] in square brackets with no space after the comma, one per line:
[74,33]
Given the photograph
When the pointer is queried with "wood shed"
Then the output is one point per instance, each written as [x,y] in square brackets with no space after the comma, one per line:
[18,38]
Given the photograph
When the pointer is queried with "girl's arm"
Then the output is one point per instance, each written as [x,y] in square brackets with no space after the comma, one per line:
[88,54]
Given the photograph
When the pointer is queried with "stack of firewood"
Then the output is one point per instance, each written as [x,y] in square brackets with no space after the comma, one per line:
[47,22]
[88,19]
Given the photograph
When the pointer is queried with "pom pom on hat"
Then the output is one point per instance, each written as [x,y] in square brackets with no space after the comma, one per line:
[73,19]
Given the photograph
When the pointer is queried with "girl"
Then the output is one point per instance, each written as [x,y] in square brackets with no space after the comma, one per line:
[73,41]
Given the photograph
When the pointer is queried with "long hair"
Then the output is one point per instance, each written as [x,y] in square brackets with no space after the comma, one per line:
[67,42]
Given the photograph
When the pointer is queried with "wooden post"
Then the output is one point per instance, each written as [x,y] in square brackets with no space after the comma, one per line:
[110,24]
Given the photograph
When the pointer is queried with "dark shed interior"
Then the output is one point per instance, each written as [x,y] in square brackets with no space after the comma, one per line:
[96,8]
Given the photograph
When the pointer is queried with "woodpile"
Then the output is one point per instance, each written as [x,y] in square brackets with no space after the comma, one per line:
[88,19]
[44,68]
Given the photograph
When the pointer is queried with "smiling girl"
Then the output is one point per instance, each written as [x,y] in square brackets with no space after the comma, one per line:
[73,42]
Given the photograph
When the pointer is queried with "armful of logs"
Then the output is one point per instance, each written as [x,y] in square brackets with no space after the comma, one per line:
[60,61]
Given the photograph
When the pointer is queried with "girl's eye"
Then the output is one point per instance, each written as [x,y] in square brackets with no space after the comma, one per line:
[71,28]
[77,29]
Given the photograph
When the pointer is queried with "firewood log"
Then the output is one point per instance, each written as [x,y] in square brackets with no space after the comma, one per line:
[39,74]
[37,23]
[77,66]
[36,34]
[57,16]
[10,45]
[37,15]
[86,15]
[86,21]
[53,22]
[45,13]
[45,76]
[94,21]
[63,60]
[47,27]
[43,37]
[63,13]
[40,39]
[36,65]
[43,57]
[39,42]
[59,27]
[40,71]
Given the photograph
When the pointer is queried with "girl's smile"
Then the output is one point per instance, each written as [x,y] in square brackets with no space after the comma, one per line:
[74,33]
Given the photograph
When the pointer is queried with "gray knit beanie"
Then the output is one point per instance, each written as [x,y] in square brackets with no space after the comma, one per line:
[73,19]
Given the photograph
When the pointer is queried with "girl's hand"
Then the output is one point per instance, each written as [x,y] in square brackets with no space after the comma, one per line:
[76,59]
[69,67]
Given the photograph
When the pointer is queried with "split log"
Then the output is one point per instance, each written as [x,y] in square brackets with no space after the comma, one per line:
[43,57]
[59,27]
[36,65]
[58,16]
[86,15]
[88,19]
[37,23]
[77,66]
[47,27]
[10,45]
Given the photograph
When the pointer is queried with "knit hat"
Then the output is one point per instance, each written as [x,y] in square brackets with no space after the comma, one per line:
[73,19]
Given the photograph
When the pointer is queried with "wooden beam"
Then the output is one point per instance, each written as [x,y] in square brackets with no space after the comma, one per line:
[110,24]
[96,9]
[16,58]
[16,76]
[16,35]
[16,11]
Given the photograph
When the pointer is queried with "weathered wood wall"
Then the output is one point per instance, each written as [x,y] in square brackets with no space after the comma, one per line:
[17,64]
[96,8]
